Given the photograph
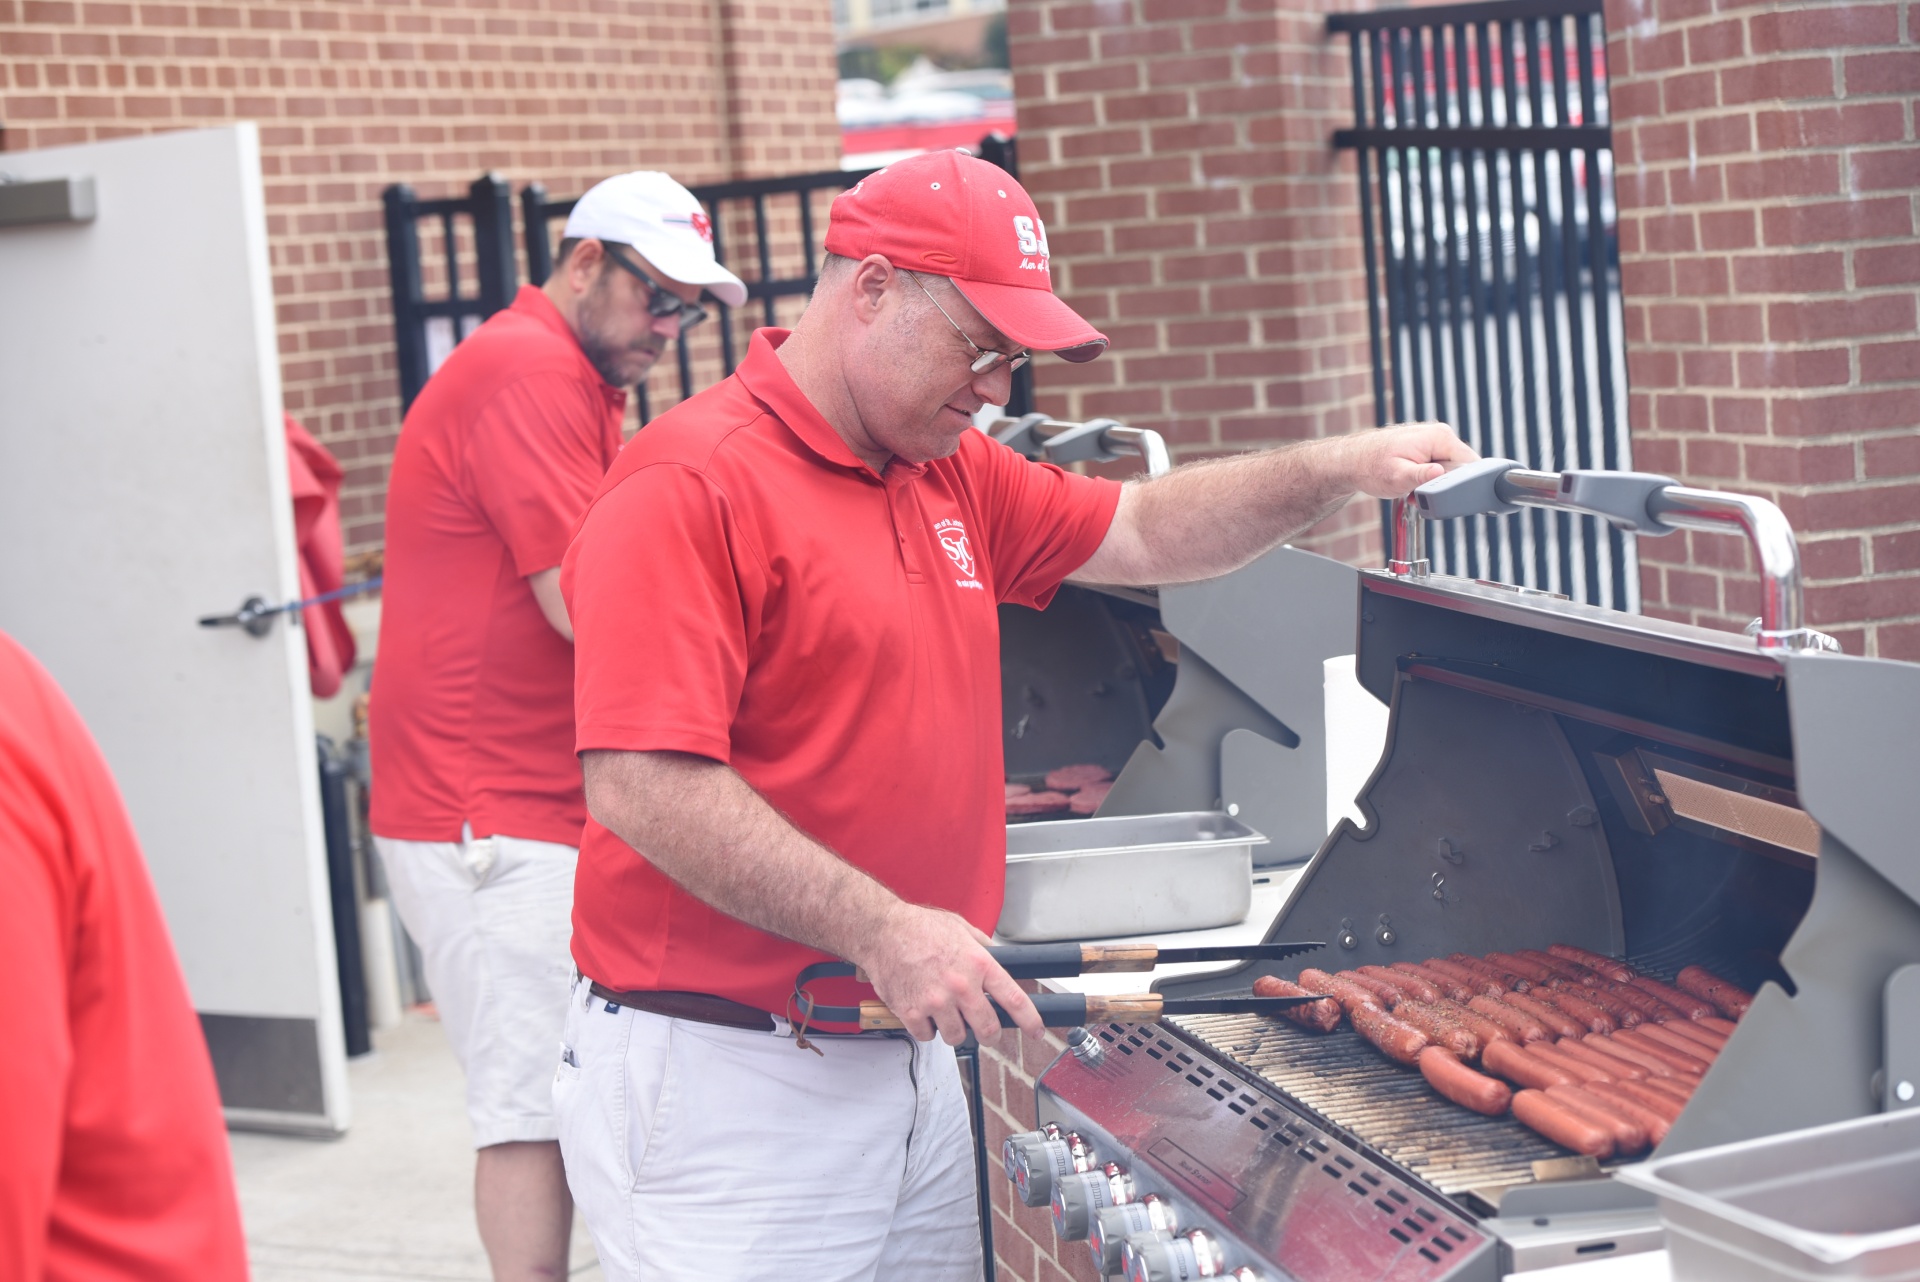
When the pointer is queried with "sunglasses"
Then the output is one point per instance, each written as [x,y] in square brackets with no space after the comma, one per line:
[984,358]
[659,301]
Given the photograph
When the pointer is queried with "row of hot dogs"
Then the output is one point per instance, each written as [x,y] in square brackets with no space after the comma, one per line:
[1603,1056]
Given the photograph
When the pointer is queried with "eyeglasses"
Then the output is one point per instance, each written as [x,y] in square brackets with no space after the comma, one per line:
[659,301]
[984,359]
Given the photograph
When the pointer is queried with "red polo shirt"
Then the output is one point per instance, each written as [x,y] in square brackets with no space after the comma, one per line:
[471,718]
[746,589]
[113,1155]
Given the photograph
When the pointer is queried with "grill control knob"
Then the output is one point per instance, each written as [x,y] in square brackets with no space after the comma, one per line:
[1013,1144]
[1113,1225]
[1076,1197]
[1180,1259]
[1038,1167]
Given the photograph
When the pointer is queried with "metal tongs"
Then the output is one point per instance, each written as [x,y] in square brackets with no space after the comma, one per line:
[1070,1010]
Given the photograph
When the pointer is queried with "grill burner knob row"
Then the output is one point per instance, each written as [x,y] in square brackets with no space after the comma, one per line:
[1113,1225]
[1180,1259]
[1011,1147]
[1039,1164]
[1076,1197]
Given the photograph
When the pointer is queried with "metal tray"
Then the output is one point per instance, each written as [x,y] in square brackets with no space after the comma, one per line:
[1834,1201]
[1127,875]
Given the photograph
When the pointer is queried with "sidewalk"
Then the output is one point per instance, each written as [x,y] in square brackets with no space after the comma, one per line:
[391,1199]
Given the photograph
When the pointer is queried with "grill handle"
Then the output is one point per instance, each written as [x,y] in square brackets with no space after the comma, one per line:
[1098,440]
[1641,502]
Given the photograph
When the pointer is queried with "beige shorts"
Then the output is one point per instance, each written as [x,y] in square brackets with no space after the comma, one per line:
[493,918]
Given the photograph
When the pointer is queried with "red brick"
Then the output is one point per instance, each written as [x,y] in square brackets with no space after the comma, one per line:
[1722,135]
[1783,177]
[1891,73]
[1832,558]
[1142,108]
[1881,597]
[1890,362]
[1825,26]
[1774,273]
[1812,322]
[1716,41]
[1866,219]
[1735,323]
[1892,265]
[1896,551]
[1774,367]
[1893,456]
[1727,229]
[1896,641]
[1800,464]
[1739,415]
[1788,79]
[1104,77]
[1893,170]
[1195,70]
[1847,125]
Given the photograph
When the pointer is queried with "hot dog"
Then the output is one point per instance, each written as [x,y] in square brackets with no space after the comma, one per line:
[1695,1033]
[1729,999]
[1531,970]
[1564,1127]
[1649,1064]
[1524,1027]
[1656,1123]
[1649,1006]
[1509,981]
[1713,1023]
[1628,1135]
[1652,1098]
[1692,1005]
[1664,1034]
[1385,996]
[1516,1065]
[1348,995]
[1418,990]
[1572,1065]
[1680,1060]
[1445,985]
[1473,981]
[1678,1088]
[1395,1040]
[1476,1023]
[1576,1007]
[1565,969]
[1321,1016]
[1446,1074]
[1625,1014]
[1613,969]
[1438,1029]
[1555,1020]
[1616,1069]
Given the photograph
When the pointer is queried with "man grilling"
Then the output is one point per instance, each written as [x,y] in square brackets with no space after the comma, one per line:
[788,705]
[477,804]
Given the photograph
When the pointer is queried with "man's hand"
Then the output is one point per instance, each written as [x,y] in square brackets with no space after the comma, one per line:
[1391,462]
[932,969]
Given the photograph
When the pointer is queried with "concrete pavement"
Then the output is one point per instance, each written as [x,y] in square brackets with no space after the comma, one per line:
[393,1198]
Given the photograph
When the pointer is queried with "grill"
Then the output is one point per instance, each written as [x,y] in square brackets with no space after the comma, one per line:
[1554,773]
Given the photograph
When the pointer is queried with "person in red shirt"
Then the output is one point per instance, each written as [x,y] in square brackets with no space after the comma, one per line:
[476,803]
[113,1154]
[787,692]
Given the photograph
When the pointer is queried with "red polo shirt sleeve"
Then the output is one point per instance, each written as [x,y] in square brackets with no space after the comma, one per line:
[532,465]
[662,559]
[1045,522]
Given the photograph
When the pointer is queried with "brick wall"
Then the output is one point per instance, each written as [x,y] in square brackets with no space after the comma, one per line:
[1178,152]
[352,95]
[1768,174]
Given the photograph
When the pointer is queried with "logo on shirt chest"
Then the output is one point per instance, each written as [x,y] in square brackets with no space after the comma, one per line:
[953,539]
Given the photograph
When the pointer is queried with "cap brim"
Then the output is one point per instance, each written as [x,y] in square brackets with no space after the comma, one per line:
[691,268]
[1034,318]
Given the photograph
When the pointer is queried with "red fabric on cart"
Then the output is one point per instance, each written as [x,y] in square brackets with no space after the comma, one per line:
[314,475]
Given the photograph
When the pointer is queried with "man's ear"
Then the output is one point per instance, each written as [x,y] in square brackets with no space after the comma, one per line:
[585,264]
[871,281]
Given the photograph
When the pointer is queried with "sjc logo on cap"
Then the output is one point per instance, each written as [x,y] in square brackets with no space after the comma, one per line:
[1031,236]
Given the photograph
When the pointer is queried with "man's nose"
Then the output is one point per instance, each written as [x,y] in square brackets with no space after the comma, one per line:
[994,386]
[667,327]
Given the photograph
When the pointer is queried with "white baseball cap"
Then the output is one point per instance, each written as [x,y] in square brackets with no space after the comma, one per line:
[661,219]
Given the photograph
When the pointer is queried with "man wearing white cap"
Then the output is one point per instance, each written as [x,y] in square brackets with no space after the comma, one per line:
[788,701]
[477,806]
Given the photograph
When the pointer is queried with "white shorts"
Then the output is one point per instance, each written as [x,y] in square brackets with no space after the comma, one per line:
[493,917]
[698,1151]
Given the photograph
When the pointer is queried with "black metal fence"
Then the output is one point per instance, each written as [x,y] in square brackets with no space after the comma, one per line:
[1493,288]
[777,223]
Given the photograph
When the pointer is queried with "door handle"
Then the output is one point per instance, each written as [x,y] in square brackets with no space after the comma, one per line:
[256,616]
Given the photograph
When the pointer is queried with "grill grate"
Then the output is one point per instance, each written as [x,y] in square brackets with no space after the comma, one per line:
[1386,1106]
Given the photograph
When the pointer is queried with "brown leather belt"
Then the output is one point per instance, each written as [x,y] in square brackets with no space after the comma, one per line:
[702,1008]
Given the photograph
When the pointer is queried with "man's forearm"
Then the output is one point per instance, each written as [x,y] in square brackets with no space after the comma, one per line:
[1207,518]
[703,826]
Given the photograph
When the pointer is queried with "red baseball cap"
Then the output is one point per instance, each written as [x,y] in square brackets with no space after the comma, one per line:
[949,214]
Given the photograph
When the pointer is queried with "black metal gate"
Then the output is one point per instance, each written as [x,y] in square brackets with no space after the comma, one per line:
[1493,279]
[777,221]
